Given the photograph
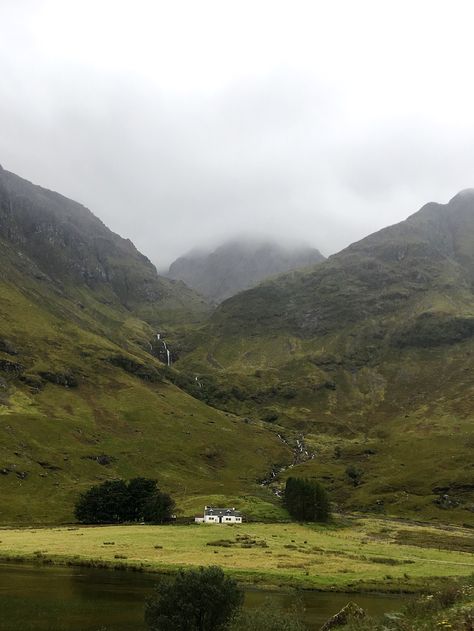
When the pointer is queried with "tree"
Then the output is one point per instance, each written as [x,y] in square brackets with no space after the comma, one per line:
[201,599]
[306,500]
[103,504]
[158,508]
[322,503]
[117,501]
[147,502]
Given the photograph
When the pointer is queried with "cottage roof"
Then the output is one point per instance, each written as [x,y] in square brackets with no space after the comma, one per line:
[221,512]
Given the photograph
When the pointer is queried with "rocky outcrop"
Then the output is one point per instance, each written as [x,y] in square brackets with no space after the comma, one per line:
[11,368]
[7,347]
[147,373]
[65,379]
[350,612]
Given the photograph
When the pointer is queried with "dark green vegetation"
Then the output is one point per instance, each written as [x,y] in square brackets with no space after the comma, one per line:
[84,392]
[267,618]
[370,355]
[116,501]
[239,264]
[306,500]
[201,599]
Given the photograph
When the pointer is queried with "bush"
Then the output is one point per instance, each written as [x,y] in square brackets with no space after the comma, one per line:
[306,500]
[117,501]
[194,600]
[354,474]
[266,618]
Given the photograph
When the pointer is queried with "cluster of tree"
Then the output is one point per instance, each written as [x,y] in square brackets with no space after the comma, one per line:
[205,599]
[118,501]
[307,500]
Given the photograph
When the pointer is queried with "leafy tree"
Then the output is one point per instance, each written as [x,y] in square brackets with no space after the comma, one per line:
[117,501]
[201,599]
[158,508]
[322,503]
[306,500]
[140,490]
[103,504]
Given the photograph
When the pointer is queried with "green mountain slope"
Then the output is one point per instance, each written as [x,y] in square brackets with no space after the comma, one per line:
[83,393]
[370,356]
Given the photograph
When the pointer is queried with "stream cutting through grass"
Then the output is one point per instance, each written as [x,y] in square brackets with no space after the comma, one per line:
[37,598]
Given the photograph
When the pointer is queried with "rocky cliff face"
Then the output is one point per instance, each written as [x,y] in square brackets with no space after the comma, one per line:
[239,265]
[71,246]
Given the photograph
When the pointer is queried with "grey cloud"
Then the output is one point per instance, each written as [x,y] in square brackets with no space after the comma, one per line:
[285,154]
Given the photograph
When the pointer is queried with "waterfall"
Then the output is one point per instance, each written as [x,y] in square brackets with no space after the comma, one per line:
[168,354]
[158,335]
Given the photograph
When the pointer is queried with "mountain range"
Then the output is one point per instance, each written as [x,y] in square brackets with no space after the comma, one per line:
[239,264]
[356,371]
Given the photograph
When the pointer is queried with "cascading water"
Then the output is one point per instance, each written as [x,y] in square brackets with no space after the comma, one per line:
[300,455]
[168,354]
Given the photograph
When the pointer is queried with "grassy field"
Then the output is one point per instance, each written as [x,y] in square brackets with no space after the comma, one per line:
[361,554]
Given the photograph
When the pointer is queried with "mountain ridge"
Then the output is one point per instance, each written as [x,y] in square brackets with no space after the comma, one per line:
[238,264]
[70,244]
[370,355]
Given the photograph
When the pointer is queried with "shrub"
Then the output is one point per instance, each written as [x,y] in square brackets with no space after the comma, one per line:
[267,618]
[354,474]
[201,599]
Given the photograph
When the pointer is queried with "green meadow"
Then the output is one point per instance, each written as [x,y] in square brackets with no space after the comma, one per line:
[357,554]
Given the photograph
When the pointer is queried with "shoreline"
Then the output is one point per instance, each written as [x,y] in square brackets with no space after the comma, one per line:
[279,585]
[366,556]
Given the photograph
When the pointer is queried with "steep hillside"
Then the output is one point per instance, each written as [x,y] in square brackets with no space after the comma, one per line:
[73,248]
[83,393]
[370,355]
[239,265]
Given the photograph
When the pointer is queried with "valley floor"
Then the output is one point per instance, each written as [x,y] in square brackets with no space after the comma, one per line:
[360,554]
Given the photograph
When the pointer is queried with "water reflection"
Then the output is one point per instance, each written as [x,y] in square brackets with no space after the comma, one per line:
[76,599]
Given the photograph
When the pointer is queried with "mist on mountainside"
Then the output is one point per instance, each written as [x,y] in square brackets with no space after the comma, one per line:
[239,264]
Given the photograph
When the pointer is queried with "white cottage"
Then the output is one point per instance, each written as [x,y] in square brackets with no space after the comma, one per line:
[220,516]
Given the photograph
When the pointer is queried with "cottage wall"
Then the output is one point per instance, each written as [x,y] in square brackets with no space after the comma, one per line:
[219,516]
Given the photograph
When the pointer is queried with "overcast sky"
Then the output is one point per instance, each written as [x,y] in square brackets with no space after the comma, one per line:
[183,123]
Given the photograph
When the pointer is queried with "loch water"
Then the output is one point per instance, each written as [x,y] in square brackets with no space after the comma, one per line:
[39,598]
